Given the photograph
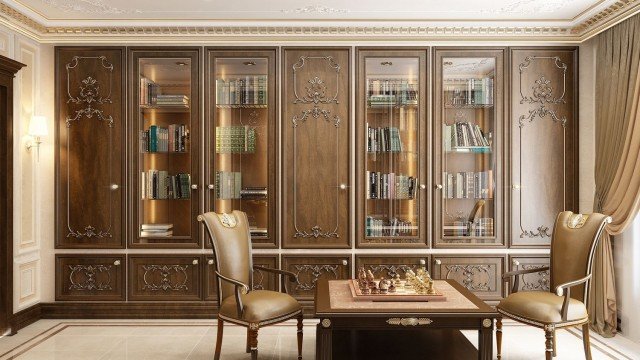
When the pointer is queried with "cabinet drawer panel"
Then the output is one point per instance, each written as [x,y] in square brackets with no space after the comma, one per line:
[90,277]
[390,265]
[538,281]
[480,274]
[164,278]
[261,280]
[311,268]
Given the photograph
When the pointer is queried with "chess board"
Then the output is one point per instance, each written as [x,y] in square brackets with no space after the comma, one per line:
[401,294]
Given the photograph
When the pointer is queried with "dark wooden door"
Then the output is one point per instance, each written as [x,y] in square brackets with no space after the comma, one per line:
[315,145]
[90,120]
[90,277]
[164,278]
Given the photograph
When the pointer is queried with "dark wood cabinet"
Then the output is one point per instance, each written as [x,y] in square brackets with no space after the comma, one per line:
[315,140]
[261,280]
[90,147]
[391,265]
[539,281]
[310,269]
[90,277]
[544,141]
[480,274]
[164,278]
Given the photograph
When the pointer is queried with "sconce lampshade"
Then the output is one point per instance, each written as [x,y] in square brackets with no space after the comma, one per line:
[38,126]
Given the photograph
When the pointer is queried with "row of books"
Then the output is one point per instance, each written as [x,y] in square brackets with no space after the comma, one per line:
[479,227]
[156,230]
[149,91]
[468,185]
[235,139]
[158,184]
[471,92]
[464,134]
[253,192]
[171,100]
[250,90]
[257,232]
[169,139]
[391,186]
[385,92]
[383,139]
[228,184]
[388,227]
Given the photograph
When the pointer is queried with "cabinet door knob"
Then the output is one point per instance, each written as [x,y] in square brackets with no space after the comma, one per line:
[210,262]
[195,262]
[345,262]
[194,186]
[515,186]
[114,187]
[343,186]
[438,187]
[423,186]
[423,262]
[515,262]
[116,263]
[438,262]
[210,186]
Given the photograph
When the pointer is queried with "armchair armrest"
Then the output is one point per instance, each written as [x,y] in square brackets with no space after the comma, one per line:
[567,295]
[516,274]
[241,288]
[292,277]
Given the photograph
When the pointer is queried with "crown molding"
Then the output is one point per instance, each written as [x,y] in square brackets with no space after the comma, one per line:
[578,32]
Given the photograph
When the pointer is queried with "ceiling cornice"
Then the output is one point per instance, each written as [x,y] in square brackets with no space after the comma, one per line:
[582,30]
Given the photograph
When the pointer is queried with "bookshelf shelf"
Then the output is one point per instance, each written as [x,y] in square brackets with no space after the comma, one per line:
[164,109]
[241,106]
[468,106]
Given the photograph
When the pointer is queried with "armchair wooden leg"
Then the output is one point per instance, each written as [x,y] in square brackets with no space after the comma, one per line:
[300,318]
[248,349]
[586,341]
[548,332]
[499,337]
[555,344]
[253,341]
[219,339]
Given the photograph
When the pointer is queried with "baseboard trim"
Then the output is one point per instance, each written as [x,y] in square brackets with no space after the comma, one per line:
[129,310]
[26,317]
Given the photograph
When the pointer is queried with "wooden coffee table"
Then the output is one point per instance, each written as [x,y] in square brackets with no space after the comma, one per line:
[351,329]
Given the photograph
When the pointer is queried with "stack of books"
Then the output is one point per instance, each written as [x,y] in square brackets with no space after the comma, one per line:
[383,139]
[483,227]
[457,228]
[235,139]
[159,185]
[468,185]
[390,186]
[228,185]
[464,135]
[391,227]
[253,192]
[159,139]
[172,100]
[249,90]
[156,230]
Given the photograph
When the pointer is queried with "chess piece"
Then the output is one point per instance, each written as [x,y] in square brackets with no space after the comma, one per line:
[371,279]
[362,278]
[392,287]
[383,286]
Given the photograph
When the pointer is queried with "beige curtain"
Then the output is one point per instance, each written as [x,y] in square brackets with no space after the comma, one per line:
[617,168]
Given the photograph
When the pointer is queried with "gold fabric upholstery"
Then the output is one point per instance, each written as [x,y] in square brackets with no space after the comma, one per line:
[260,306]
[232,246]
[542,307]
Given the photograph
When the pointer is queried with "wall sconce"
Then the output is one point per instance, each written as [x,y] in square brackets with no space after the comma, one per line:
[37,129]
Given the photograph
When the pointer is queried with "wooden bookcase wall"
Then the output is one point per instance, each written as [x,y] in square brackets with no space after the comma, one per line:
[99,206]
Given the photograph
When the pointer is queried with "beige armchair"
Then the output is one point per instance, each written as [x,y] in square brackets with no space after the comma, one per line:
[573,244]
[238,303]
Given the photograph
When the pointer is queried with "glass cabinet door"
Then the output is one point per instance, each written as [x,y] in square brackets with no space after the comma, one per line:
[241,165]
[165,116]
[391,148]
[469,126]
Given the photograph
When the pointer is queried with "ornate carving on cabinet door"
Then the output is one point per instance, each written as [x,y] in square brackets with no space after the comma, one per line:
[315,93]
[473,277]
[85,277]
[313,273]
[535,281]
[258,280]
[165,282]
[542,95]
[88,97]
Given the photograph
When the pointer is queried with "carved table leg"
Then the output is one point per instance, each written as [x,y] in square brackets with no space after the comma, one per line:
[499,336]
[324,348]
[548,332]
[485,340]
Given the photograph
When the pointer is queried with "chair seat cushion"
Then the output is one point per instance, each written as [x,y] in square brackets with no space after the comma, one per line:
[541,307]
[260,306]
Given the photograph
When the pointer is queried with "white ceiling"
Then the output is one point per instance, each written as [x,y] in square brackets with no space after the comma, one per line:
[341,10]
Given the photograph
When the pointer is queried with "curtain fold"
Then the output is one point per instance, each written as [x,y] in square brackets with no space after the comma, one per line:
[617,167]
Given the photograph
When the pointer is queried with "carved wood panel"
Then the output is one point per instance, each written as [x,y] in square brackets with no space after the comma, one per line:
[390,265]
[90,277]
[315,143]
[261,280]
[164,278]
[90,119]
[482,275]
[311,268]
[544,128]
[539,281]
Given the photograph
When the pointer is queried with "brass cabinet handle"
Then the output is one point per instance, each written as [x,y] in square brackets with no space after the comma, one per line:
[515,186]
[515,262]
[114,186]
[116,263]
[211,187]
[210,262]
[343,186]
[438,262]
[438,187]
[194,186]
[195,262]
[423,186]
[345,262]
[423,262]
